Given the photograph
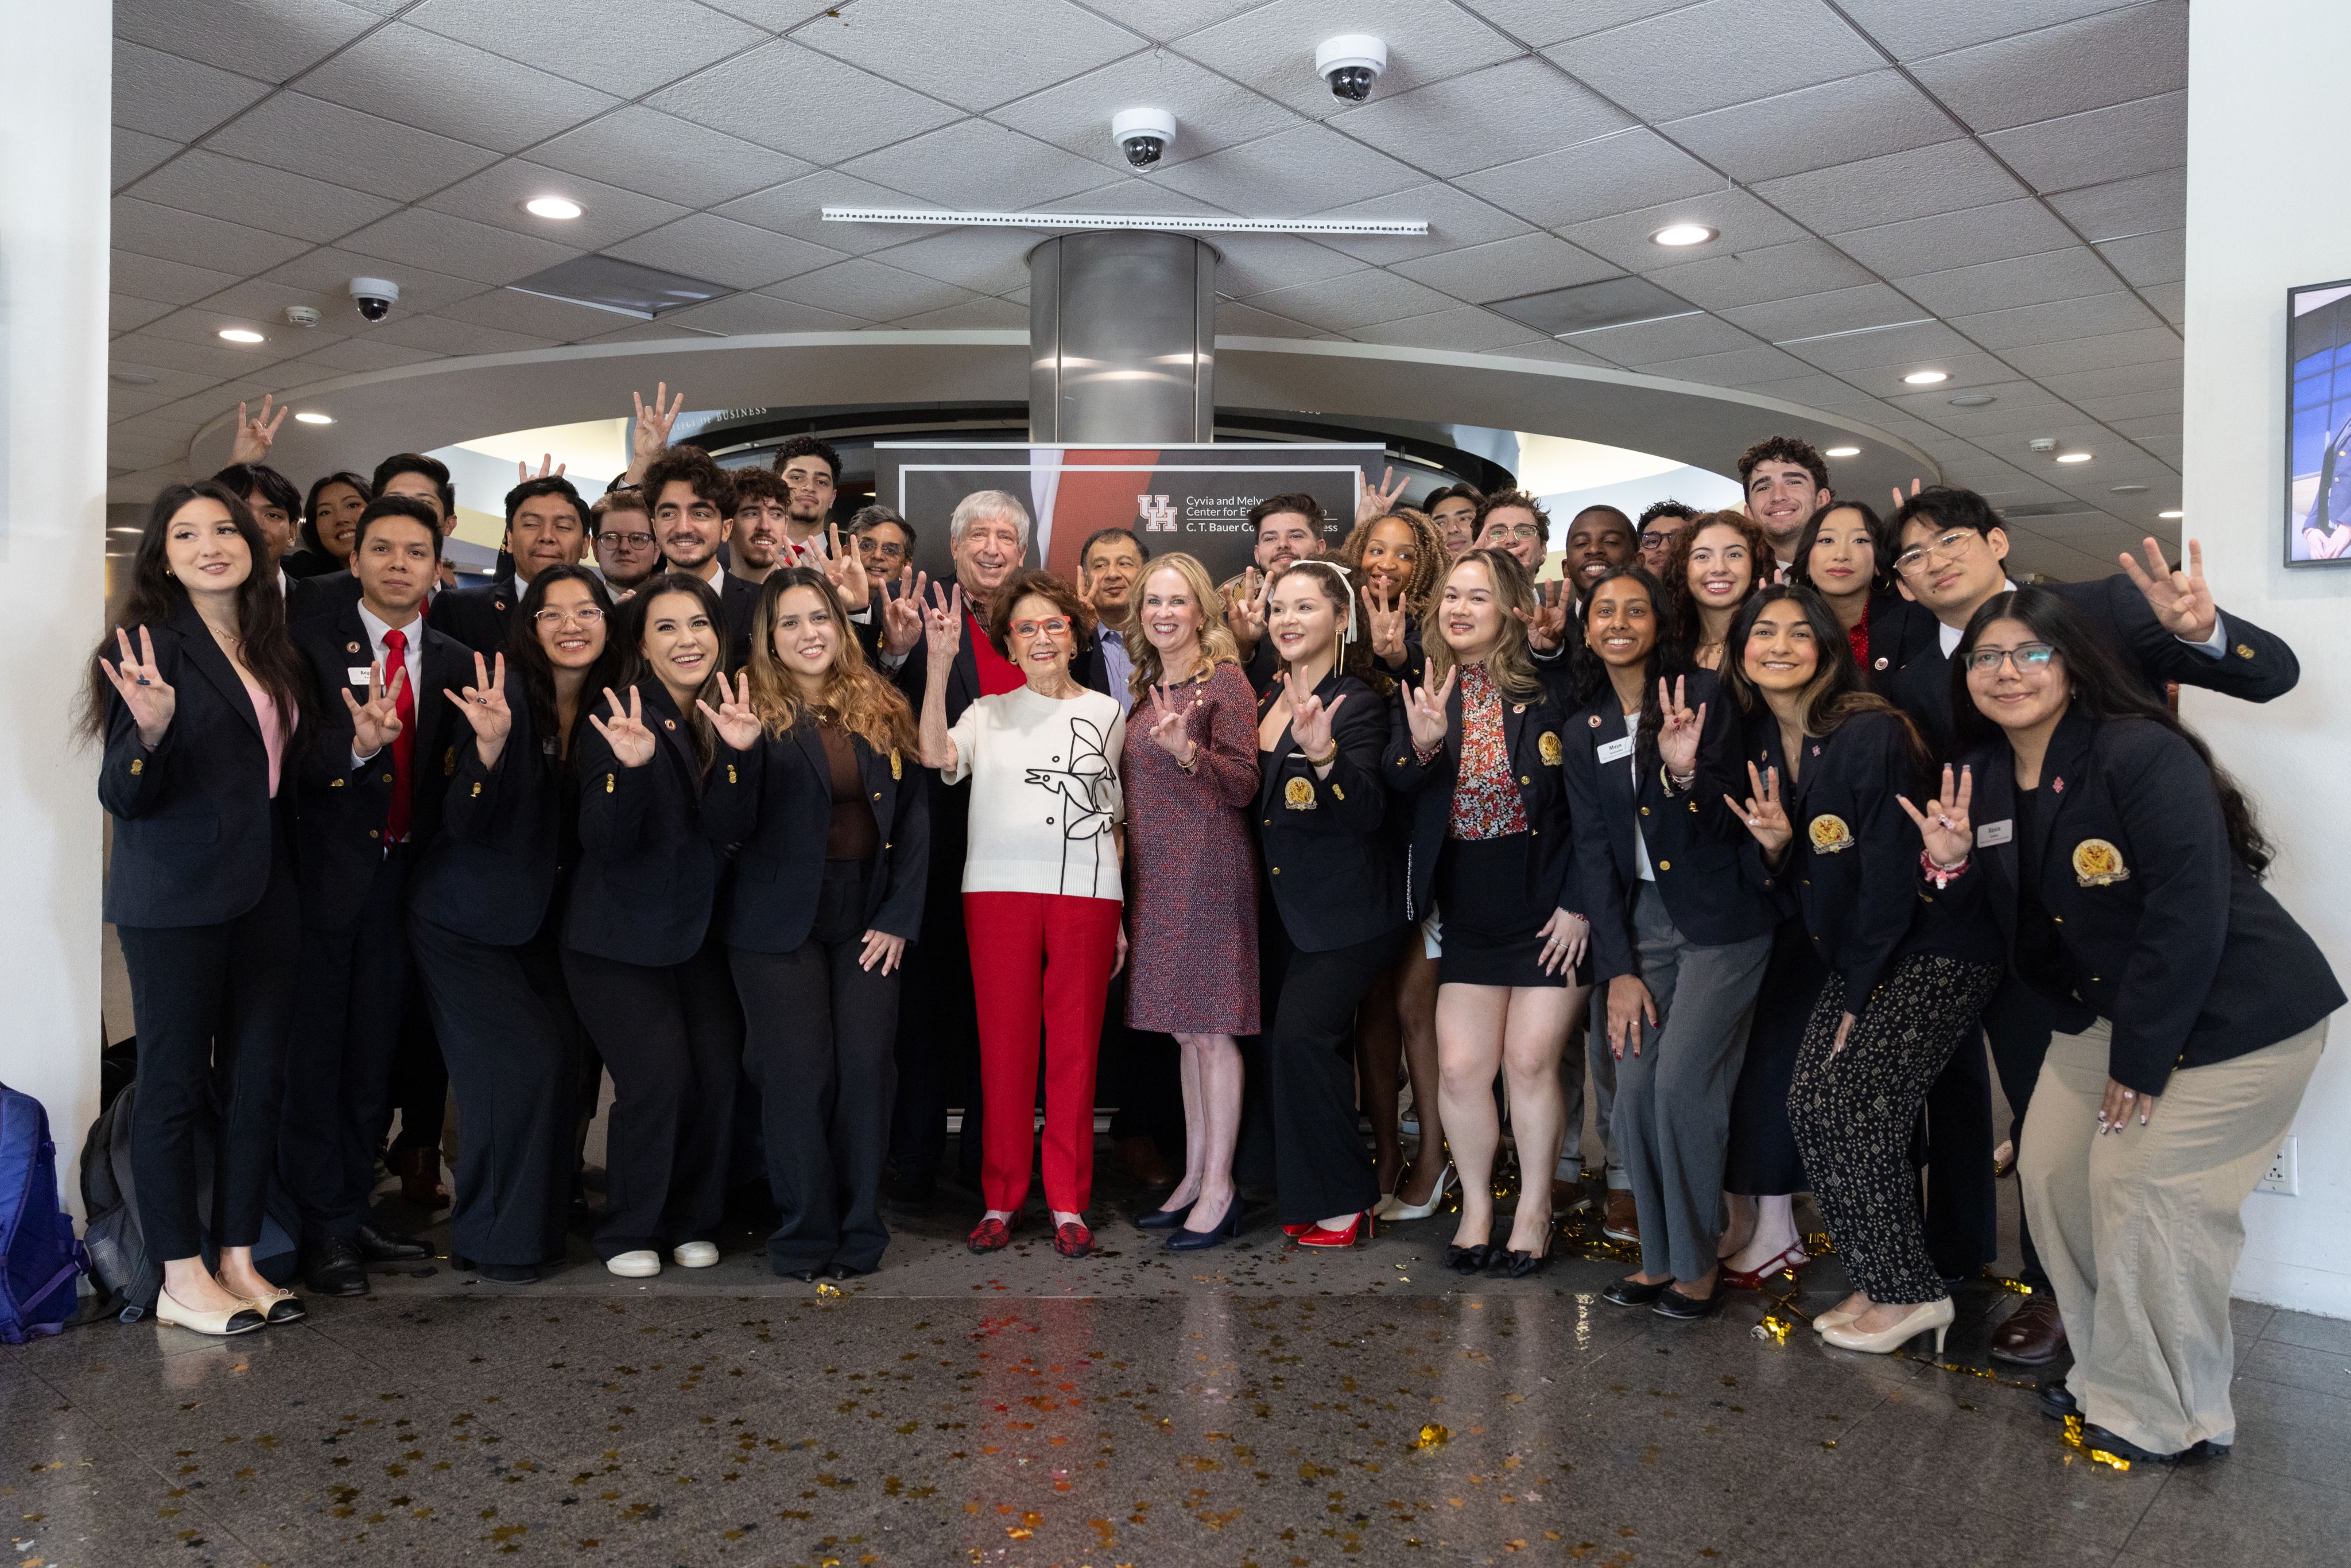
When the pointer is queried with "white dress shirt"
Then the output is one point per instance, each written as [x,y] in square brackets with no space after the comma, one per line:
[2216,646]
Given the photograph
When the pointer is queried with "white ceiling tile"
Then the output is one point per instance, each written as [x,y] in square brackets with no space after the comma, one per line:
[2098,60]
[973,315]
[163,278]
[1872,192]
[1944,240]
[704,246]
[1238,320]
[271,40]
[2058,321]
[1813,127]
[662,156]
[1813,390]
[1356,300]
[1813,315]
[2171,299]
[422,237]
[1630,171]
[1507,268]
[328,272]
[1707,55]
[798,100]
[1914,31]
[627,49]
[497,194]
[867,288]
[353,356]
[1753,367]
[1743,222]
[2134,405]
[444,335]
[1933,344]
[2154,375]
[2158,345]
[988,261]
[197,240]
[1289,172]
[796,208]
[2099,144]
[2073,272]
[978,164]
[211,359]
[406,74]
[168,96]
[742,315]
[776,16]
[511,310]
[328,142]
[264,300]
[272,199]
[2151,258]
[1539,22]
[932,45]
[2148,203]
[1210,111]
[1463,329]
[124,313]
[2149,427]
[1271,46]
[1455,218]
[1136,193]
[135,152]
[1552,350]
[1481,119]
[1736,278]
[1656,342]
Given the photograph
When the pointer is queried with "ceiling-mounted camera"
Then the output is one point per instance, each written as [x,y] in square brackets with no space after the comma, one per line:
[375,297]
[1142,134]
[1351,63]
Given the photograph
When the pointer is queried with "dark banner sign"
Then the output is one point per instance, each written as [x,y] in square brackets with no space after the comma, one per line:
[1192,498]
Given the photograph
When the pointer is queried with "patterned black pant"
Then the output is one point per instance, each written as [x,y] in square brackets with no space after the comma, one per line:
[1853,1110]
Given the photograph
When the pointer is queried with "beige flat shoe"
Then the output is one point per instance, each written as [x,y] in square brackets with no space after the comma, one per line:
[243,1318]
[280,1306]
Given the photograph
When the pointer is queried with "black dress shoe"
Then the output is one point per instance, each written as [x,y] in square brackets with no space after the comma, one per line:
[838,1270]
[508,1273]
[1469,1260]
[1684,1309]
[2057,1402]
[1514,1264]
[388,1246]
[910,1195]
[1631,1292]
[334,1268]
[805,1276]
[2105,1442]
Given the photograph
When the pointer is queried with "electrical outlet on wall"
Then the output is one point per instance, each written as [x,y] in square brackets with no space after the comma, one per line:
[2282,1177]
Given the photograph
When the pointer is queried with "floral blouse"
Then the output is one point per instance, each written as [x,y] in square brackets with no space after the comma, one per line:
[1486,802]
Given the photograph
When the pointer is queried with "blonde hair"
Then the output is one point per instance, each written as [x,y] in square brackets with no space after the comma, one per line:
[855,697]
[1511,662]
[1217,644]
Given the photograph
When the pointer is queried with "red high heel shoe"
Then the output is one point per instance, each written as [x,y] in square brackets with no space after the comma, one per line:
[1793,1258]
[1316,1236]
[1295,1231]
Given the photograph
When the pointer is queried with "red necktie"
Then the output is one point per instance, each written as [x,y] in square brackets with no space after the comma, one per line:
[395,660]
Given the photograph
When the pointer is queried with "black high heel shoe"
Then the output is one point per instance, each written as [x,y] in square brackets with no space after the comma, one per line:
[1167,1218]
[1514,1264]
[1200,1240]
[1469,1260]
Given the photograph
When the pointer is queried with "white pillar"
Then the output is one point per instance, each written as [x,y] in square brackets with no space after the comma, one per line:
[54,145]
[2262,148]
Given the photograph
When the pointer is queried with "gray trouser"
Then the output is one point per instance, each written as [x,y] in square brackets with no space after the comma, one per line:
[1673,1095]
[1588,1042]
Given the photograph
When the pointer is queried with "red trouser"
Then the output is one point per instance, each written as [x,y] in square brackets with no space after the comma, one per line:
[1039,960]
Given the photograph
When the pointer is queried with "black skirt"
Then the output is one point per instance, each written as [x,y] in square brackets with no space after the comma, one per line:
[1494,916]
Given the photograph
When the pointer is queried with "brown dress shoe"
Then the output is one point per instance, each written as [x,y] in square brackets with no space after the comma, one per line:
[1621,1223]
[1141,1156]
[1567,1196]
[2034,1335]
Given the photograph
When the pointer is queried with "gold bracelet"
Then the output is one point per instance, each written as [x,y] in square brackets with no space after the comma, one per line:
[1193,762]
[1325,761]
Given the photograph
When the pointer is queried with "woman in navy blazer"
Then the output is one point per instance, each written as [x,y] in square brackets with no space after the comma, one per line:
[2122,870]
[649,979]
[829,814]
[200,711]
[485,915]
[1847,556]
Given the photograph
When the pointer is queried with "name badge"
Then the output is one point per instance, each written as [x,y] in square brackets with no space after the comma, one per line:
[1991,833]
[1616,751]
[357,674]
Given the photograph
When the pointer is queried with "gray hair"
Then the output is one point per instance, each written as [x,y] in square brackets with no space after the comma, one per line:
[989,503]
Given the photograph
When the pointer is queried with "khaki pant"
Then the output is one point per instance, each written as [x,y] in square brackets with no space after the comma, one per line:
[2140,1230]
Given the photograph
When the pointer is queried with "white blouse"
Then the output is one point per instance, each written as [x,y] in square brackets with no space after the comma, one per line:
[1045,793]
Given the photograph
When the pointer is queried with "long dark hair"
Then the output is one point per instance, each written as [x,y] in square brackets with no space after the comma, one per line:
[1837,691]
[1881,546]
[529,656]
[628,637]
[154,596]
[1684,626]
[2102,688]
[1591,673]
[311,535]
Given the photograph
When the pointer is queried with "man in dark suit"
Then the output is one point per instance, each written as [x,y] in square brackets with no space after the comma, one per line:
[546,525]
[1950,555]
[360,836]
[692,503]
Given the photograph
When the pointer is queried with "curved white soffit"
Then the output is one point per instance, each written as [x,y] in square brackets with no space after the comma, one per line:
[419,407]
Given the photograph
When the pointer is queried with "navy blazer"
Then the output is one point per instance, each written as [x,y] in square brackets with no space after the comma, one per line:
[344,806]
[1899,631]
[739,600]
[647,875]
[1534,730]
[1689,836]
[480,616]
[2256,666]
[773,812]
[322,595]
[1331,851]
[490,873]
[192,817]
[2167,933]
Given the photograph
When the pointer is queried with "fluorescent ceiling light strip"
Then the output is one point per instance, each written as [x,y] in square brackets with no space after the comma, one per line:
[1191,221]
[1851,332]
[589,304]
[1612,326]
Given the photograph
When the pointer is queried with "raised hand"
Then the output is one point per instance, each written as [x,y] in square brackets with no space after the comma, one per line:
[649,437]
[1310,722]
[1547,623]
[1565,935]
[845,570]
[1168,722]
[1900,500]
[1386,619]
[736,722]
[902,618]
[942,623]
[631,742]
[375,723]
[1678,728]
[142,687]
[2179,599]
[548,469]
[1944,826]
[1245,610]
[483,706]
[1379,500]
[1424,711]
[255,435]
[1762,812]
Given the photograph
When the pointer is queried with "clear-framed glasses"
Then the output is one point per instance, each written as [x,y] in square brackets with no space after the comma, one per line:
[1944,547]
[1520,531]
[2025,656]
[586,615]
[1051,626]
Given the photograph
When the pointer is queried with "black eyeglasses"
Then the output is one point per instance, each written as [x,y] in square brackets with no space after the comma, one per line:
[625,541]
[2027,656]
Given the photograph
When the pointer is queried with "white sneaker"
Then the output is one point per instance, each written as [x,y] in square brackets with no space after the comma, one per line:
[695,1254]
[642,1265]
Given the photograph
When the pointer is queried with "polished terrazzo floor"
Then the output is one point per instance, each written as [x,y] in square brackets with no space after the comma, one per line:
[1249,1406]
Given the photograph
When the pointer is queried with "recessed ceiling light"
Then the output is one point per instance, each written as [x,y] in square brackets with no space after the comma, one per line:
[1683,234]
[2073,457]
[1974,400]
[130,378]
[241,335]
[2171,516]
[560,208]
[1927,378]
[306,417]
[1841,451]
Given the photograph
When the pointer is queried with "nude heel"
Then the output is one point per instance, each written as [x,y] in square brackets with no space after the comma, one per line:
[1937,1315]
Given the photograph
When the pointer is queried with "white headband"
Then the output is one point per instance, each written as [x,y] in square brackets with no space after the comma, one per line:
[1346,587]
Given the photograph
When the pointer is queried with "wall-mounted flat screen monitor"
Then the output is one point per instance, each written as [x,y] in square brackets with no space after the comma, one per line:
[2318,424]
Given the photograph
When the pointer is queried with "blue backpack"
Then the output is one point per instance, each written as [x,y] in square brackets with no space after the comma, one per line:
[39,1259]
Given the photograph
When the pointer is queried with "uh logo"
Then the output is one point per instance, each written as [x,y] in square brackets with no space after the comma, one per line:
[1157,512]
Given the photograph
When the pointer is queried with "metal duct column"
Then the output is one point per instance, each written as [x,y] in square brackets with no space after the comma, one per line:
[1122,339]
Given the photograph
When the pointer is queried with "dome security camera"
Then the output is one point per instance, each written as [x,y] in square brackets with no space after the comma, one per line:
[375,297]
[1351,63]
[1142,134]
